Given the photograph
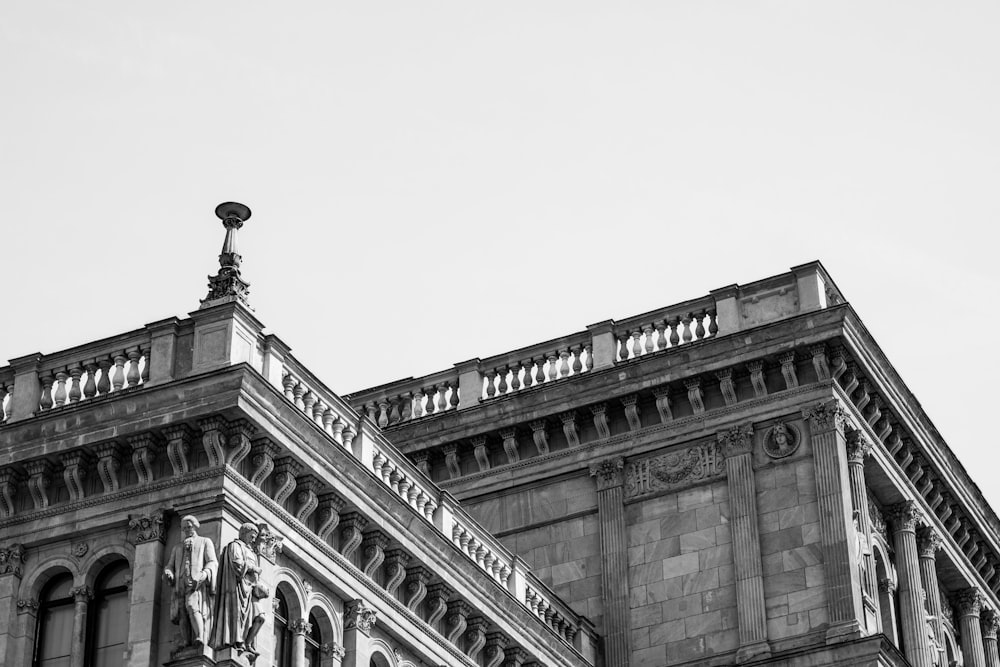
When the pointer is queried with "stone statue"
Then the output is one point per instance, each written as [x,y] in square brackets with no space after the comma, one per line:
[237,603]
[191,572]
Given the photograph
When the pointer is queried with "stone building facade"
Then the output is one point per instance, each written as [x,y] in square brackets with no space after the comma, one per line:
[741,478]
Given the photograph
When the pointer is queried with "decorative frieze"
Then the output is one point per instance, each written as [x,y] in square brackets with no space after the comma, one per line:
[147,527]
[12,559]
[674,470]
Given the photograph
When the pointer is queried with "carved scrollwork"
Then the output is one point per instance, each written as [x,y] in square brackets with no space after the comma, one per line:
[674,469]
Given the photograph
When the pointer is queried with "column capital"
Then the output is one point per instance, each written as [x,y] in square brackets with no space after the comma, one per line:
[82,593]
[11,559]
[360,616]
[990,623]
[827,415]
[333,649]
[302,627]
[904,516]
[858,446]
[928,542]
[148,527]
[608,473]
[969,601]
[736,441]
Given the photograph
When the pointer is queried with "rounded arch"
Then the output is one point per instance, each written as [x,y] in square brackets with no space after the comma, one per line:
[103,557]
[34,581]
[330,621]
[953,656]
[292,590]
[382,654]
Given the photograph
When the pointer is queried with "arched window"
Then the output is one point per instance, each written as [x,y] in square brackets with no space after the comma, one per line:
[54,637]
[107,637]
[314,640]
[282,642]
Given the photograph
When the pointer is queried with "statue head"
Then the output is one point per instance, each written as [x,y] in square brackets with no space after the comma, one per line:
[190,525]
[249,533]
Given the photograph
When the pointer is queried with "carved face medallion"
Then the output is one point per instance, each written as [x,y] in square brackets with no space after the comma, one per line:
[781,441]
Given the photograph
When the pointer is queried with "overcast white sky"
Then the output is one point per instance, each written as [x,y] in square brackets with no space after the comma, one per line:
[434,181]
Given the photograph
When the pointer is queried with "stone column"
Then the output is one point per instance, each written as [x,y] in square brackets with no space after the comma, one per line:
[148,533]
[300,630]
[81,600]
[916,645]
[928,543]
[843,581]
[11,559]
[737,446]
[990,622]
[858,447]
[970,603]
[359,619]
[614,560]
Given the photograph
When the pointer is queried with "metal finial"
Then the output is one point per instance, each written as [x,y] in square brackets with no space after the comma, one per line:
[227,285]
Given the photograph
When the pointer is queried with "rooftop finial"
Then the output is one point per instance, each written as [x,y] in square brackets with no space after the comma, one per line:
[227,285]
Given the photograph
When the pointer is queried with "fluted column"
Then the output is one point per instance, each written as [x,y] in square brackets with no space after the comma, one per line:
[614,559]
[916,646]
[928,543]
[988,620]
[858,447]
[737,446]
[843,580]
[970,604]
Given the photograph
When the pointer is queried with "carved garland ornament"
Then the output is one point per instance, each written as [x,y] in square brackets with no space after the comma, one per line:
[674,469]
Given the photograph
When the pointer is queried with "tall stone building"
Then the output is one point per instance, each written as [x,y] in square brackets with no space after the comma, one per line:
[739,478]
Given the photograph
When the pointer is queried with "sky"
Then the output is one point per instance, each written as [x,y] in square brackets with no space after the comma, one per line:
[436,181]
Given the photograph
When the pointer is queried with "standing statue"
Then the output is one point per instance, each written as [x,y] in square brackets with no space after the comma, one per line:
[191,572]
[238,611]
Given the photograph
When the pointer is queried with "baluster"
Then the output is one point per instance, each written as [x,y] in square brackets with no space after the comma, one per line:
[577,361]
[383,413]
[133,367]
[60,394]
[623,346]
[3,397]
[430,392]
[553,369]
[46,400]
[118,379]
[443,396]
[539,370]
[453,385]
[491,390]
[661,337]
[675,340]
[74,389]
[319,408]
[298,391]
[104,384]
[686,336]
[90,386]
[394,415]
[636,346]
[589,365]
[564,363]
[515,376]
[145,368]
[418,403]
[502,386]
[308,401]
[647,331]
[288,382]
[713,325]
[699,331]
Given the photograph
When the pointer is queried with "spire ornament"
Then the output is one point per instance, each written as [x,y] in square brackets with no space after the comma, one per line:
[227,285]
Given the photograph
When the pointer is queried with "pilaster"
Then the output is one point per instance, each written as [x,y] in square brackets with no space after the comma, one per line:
[928,544]
[11,559]
[359,619]
[609,476]
[989,622]
[827,421]
[737,446]
[858,448]
[916,645]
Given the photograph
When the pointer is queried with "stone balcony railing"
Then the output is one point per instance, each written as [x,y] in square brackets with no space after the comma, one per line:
[724,311]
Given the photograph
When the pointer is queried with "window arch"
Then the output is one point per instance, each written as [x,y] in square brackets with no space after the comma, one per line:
[107,636]
[54,635]
[314,642]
